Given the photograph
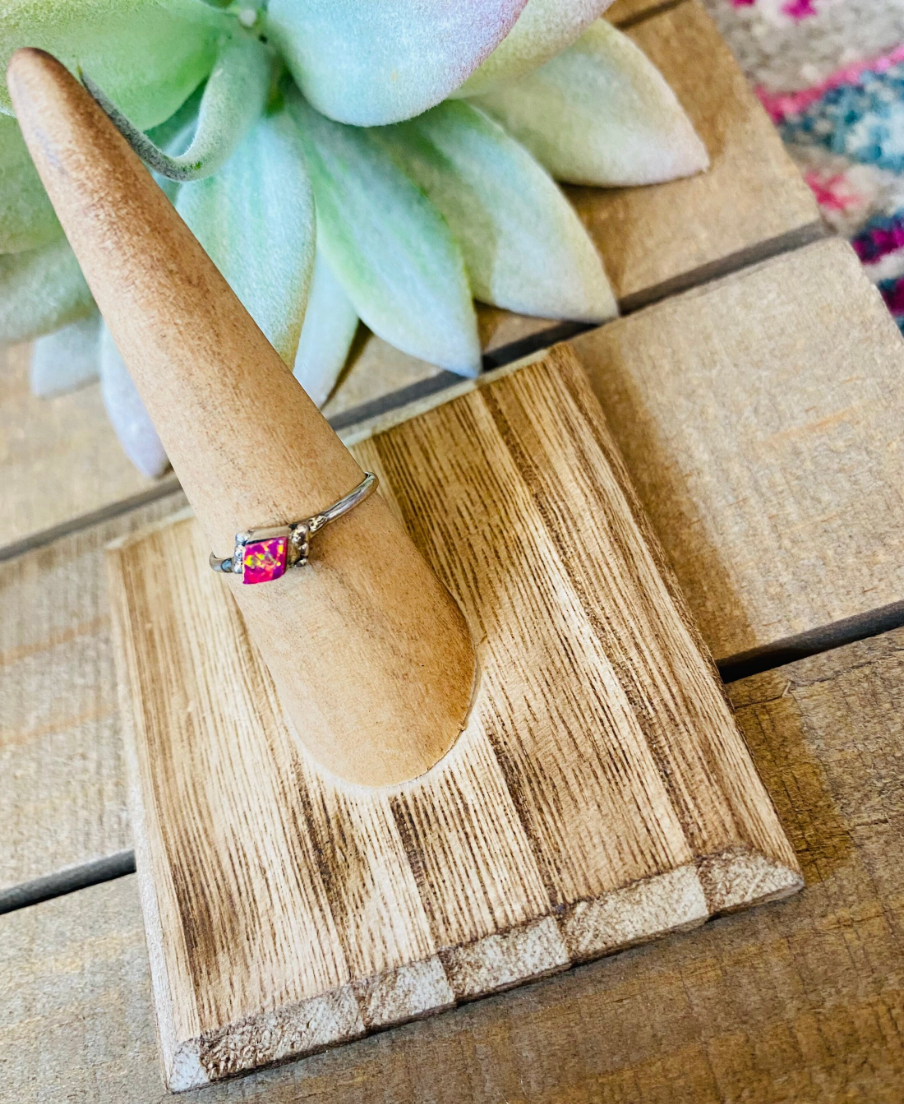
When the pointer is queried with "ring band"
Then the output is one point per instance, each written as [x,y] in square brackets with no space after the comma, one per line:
[262,555]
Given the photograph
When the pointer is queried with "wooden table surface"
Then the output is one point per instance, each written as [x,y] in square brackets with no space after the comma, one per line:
[798,1001]
[753,389]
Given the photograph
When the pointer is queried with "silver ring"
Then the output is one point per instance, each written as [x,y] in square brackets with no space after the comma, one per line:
[262,555]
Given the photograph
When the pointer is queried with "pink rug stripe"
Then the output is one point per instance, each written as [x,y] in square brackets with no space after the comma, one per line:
[779,105]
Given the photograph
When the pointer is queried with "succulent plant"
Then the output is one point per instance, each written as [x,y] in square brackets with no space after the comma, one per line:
[388,162]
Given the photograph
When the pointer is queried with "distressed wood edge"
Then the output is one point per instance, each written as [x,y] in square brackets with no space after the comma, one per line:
[504,960]
[176,1063]
[406,993]
[675,901]
[267,1039]
[740,877]
[672,901]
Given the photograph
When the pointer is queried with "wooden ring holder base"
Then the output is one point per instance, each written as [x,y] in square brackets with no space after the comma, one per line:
[600,794]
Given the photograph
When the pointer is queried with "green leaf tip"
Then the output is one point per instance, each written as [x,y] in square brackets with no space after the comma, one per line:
[525,248]
[330,325]
[600,114]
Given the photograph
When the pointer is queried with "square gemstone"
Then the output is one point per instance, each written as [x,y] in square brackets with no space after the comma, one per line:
[264,560]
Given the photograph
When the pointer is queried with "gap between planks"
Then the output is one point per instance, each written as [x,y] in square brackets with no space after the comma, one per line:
[628,13]
[71,880]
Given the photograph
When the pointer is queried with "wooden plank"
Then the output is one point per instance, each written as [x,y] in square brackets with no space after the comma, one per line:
[62,788]
[598,796]
[59,457]
[761,420]
[657,240]
[801,1001]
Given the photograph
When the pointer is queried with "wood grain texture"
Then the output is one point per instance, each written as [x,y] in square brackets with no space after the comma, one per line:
[599,795]
[62,779]
[796,1003]
[761,420]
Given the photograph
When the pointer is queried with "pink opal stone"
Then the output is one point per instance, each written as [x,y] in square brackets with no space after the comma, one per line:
[264,560]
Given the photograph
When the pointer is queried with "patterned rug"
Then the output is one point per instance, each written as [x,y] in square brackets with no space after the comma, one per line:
[831,75]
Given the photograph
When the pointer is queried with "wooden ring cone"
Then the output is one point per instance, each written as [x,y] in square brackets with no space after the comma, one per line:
[372,658]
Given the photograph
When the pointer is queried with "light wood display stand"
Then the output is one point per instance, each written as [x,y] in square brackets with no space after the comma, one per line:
[600,794]
[760,419]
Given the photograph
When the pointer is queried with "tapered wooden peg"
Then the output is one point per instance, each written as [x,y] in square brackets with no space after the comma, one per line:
[372,657]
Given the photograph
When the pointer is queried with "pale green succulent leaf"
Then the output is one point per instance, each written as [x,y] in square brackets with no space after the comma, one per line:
[255,219]
[147,55]
[27,218]
[127,412]
[233,98]
[379,62]
[174,136]
[40,291]
[544,28]
[170,134]
[388,245]
[330,324]
[524,246]
[601,114]
[67,358]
